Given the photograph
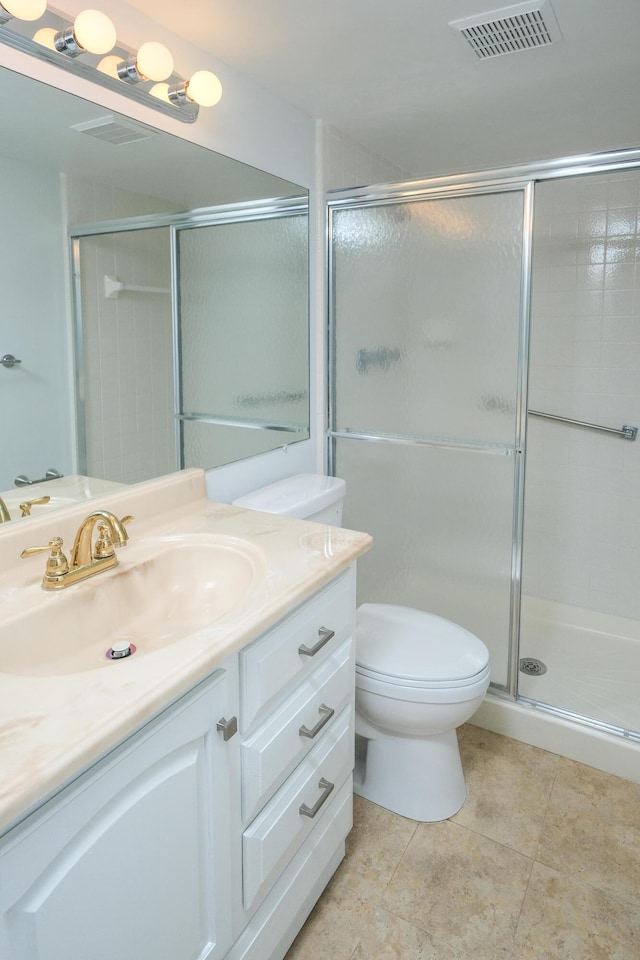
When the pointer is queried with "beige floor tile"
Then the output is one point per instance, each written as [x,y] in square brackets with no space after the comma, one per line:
[508,788]
[462,888]
[387,937]
[563,919]
[583,839]
[377,842]
[334,926]
[610,796]
[375,847]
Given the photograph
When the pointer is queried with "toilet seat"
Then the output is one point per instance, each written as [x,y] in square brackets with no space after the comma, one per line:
[426,692]
[421,684]
[415,649]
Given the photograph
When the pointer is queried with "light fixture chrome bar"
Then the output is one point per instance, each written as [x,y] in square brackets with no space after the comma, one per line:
[626,432]
[18,34]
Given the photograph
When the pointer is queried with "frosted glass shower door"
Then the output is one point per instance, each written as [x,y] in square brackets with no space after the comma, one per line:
[243,338]
[427,340]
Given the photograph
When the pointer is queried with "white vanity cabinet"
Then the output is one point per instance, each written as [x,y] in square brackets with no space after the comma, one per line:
[129,860]
[199,839]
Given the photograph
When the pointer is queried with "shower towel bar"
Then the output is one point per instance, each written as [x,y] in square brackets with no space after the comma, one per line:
[626,432]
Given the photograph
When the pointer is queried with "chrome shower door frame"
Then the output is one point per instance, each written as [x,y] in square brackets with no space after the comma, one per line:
[521,177]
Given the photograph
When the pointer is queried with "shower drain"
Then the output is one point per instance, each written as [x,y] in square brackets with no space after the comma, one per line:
[532,667]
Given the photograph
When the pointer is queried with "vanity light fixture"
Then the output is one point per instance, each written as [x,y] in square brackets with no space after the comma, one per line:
[88,46]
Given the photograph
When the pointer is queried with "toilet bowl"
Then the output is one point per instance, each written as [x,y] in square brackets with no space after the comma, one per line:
[418,678]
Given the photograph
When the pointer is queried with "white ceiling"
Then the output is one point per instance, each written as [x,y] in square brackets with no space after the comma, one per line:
[395,77]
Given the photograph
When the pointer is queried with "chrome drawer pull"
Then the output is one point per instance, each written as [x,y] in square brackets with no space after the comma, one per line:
[325,635]
[325,715]
[310,812]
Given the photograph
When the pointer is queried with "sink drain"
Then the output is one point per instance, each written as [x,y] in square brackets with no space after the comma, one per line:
[120,649]
[532,667]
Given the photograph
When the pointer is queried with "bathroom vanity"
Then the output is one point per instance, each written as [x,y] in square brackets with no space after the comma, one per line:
[190,801]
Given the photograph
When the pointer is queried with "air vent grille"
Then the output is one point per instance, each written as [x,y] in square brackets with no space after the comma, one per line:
[523,26]
[113,131]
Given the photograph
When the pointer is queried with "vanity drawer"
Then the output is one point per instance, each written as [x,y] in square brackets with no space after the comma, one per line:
[270,755]
[294,648]
[278,832]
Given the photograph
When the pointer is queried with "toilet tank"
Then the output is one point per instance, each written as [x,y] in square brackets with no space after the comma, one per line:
[307,496]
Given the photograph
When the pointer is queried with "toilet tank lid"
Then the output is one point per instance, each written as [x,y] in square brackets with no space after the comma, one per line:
[415,645]
[300,496]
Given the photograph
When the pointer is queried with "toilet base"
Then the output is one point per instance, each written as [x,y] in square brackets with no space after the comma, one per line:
[420,778]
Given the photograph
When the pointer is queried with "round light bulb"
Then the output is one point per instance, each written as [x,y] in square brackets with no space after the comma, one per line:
[204,88]
[25,9]
[45,36]
[109,65]
[94,31]
[160,91]
[154,61]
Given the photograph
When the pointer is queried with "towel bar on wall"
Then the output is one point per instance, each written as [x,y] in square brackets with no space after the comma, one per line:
[626,432]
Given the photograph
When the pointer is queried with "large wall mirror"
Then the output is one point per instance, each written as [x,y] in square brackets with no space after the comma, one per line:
[154,292]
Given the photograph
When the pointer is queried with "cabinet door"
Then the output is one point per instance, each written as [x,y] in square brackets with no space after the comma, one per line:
[122,864]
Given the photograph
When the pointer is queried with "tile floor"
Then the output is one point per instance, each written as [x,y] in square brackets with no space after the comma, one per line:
[541,863]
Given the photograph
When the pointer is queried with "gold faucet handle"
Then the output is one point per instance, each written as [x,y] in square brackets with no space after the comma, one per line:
[57,563]
[104,544]
[124,521]
[25,508]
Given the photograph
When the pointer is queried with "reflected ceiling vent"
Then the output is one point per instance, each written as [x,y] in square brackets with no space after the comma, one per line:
[113,131]
[521,26]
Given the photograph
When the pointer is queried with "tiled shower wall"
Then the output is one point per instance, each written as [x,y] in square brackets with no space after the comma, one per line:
[582,500]
[128,348]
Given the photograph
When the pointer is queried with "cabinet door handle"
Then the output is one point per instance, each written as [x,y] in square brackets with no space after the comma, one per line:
[325,635]
[326,788]
[325,715]
[227,727]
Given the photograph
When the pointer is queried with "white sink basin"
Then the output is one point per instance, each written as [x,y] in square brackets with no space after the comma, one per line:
[163,591]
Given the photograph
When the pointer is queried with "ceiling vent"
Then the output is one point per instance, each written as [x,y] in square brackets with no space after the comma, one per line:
[113,131]
[521,26]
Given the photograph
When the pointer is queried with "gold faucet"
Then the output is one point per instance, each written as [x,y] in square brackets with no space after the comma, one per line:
[86,559]
[4,512]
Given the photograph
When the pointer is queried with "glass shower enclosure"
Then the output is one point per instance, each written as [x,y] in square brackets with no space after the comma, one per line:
[484,405]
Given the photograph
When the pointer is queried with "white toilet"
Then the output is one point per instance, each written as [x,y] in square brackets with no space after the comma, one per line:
[418,677]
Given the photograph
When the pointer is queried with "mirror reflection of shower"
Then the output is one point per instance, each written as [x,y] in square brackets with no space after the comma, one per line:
[192,344]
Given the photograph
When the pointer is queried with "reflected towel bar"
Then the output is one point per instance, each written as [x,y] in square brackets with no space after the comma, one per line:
[626,432]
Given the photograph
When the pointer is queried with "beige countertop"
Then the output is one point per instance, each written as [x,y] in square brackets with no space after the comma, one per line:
[53,727]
